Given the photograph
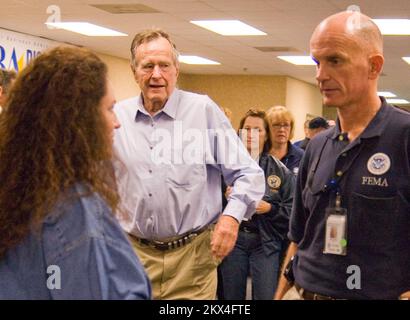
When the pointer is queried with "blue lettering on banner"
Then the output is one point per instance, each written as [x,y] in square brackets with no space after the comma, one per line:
[8,62]
[10,59]
[14,60]
[31,54]
[2,57]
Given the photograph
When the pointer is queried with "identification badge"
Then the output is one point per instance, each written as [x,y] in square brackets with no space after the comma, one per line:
[336,231]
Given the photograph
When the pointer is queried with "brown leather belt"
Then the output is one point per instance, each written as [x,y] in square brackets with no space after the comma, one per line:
[308,295]
[168,245]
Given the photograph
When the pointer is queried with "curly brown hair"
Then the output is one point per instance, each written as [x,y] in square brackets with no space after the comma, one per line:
[52,136]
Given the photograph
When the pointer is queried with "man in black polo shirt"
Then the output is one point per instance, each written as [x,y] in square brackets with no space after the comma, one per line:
[350,224]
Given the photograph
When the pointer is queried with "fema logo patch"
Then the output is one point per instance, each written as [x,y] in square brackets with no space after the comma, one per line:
[274,182]
[378,164]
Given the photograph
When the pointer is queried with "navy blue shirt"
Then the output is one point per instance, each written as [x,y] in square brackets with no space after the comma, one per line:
[373,173]
[292,159]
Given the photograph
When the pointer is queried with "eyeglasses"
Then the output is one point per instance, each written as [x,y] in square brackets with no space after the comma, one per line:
[281,125]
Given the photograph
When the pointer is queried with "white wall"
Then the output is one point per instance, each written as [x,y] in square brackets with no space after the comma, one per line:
[302,98]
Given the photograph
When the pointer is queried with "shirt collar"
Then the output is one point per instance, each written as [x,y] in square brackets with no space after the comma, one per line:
[169,109]
[291,151]
[373,129]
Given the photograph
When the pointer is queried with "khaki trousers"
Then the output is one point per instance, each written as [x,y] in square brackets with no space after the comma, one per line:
[187,273]
[292,294]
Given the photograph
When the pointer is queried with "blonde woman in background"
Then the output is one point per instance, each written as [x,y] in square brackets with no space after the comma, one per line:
[59,238]
[282,128]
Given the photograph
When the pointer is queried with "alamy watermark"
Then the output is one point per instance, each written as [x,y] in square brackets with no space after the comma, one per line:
[55,16]
[54,278]
[354,21]
[195,146]
[354,281]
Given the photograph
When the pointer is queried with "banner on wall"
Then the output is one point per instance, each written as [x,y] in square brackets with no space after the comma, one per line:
[17,49]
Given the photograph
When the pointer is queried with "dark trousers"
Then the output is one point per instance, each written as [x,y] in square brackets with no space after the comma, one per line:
[248,257]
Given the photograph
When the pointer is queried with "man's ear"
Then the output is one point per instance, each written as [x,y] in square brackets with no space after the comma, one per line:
[376,65]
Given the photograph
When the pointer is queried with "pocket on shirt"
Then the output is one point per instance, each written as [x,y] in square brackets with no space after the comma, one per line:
[373,222]
[185,176]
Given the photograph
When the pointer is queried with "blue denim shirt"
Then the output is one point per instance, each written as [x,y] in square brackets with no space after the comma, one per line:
[81,252]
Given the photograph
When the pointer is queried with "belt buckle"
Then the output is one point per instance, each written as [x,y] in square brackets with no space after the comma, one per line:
[317,296]
[311,295]
[159,245]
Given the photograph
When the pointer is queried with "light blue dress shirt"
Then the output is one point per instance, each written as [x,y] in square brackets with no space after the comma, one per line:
[169,167]
[80,253]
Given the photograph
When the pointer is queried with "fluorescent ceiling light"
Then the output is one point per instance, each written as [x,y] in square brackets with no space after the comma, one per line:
[397,101]
[196,60]
[407,59]
[299,60]
[393,26]
[386,94]
[87,29]
[229,27]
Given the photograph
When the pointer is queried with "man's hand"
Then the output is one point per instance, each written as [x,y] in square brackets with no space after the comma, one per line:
[283,284]
[224,236]
[263,207]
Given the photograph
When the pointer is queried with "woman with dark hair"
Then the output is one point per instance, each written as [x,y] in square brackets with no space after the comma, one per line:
[257,249]
[59,238]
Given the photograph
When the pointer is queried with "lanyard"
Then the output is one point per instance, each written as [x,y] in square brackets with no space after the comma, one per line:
[333,186]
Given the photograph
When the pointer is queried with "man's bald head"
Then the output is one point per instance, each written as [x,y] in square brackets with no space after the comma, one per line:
[348,50]
[355,25]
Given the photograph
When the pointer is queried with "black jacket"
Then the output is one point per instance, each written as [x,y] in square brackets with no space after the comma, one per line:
[280,183]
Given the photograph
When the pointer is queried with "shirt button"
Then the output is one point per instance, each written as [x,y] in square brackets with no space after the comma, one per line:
[150,171]
[152,124]
[339,173]
[344,154]
[150,194]
[151,147]
[341,138]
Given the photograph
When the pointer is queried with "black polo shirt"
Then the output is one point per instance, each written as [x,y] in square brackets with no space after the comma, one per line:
[374,178]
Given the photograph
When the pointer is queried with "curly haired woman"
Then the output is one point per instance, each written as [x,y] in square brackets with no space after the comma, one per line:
[59,238]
